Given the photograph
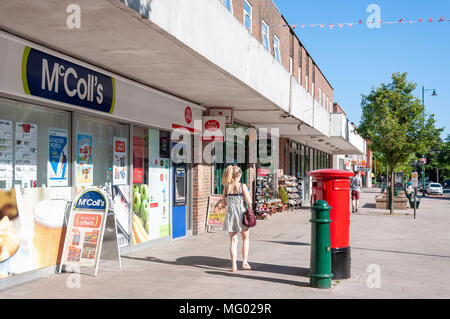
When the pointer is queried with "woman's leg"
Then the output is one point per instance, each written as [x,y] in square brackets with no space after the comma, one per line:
[245,246]
[233,250]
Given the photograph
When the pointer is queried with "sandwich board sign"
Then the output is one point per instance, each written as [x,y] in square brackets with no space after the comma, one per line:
[90,214]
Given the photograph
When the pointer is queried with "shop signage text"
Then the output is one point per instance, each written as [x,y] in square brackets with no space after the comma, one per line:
[49,77]
[91,200]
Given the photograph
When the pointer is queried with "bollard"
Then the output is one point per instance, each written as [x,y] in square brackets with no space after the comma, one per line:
[320,263]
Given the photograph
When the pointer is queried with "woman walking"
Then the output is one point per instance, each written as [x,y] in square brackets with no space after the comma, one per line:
[234,194]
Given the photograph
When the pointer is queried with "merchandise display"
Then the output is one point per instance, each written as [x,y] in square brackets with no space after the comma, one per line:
[293,187]
[265,202]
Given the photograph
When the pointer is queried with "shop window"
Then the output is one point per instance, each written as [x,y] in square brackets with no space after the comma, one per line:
[265,35]
[99,160]
[34,146]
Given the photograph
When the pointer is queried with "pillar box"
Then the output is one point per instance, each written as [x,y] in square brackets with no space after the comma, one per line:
[333,186]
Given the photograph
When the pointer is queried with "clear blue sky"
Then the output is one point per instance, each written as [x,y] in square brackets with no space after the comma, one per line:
[356,59]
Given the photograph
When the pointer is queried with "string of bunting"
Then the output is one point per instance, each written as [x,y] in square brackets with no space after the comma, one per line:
[360,22]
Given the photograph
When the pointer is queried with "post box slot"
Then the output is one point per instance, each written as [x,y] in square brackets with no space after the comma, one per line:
[341,185]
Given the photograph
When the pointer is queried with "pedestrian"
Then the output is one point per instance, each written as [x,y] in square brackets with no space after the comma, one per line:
[355,184]
[234,194]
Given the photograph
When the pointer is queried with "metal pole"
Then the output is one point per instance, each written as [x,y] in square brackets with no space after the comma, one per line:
[415,201]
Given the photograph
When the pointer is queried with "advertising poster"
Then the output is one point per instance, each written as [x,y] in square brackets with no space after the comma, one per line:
[159,198]
[6,152]
[216,211]
[85,229]
[138,160]
[32,228]
[26,154]
[57,172]
[85,174]
[121,204]
[120,161]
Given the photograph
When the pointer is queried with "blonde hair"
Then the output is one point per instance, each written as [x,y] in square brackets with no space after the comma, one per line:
[231,173]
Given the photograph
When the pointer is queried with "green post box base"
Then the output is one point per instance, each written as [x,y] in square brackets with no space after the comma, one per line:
[322,281]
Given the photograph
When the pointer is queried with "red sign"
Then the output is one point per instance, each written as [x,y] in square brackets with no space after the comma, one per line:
[424,160]
[161,177]
[263,171]
[138,160]
[188,115]
[87,220]
[212,125]
[153,205]
[120,146]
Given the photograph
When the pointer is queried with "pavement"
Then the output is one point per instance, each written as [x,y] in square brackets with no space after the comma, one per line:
[393,256]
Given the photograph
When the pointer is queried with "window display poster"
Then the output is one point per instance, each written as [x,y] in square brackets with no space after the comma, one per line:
[6,151]
[26,154]
[32,228]
[138,160]
[120,161]
[85,174]
[158,219]
[57,158]
[121,205]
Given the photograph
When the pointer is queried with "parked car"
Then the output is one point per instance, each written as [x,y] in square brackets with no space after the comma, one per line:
[434,188]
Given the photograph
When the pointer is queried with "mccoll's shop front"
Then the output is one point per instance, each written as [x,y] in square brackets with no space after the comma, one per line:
[66,125]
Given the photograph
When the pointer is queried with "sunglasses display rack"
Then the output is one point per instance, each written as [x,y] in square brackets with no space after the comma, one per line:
[265,202]
[293,186]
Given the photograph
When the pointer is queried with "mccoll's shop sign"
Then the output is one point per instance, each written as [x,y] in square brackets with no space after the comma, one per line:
[49,77]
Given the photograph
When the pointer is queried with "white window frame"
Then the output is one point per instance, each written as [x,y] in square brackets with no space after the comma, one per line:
[306,83]
[264,24]
[276,48]
[250,15]
[328,104]
[300,75]
[320,96]
[231,4]
[291,69]
[312,89]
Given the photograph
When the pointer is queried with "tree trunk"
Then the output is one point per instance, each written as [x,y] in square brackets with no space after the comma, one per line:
[437,175]
[392,191]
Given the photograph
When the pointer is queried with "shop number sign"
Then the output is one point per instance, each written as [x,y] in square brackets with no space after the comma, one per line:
[414,179]
[85,229]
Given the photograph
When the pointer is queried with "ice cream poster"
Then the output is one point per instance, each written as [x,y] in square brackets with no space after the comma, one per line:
[120,161]
[85,174]
[57,158]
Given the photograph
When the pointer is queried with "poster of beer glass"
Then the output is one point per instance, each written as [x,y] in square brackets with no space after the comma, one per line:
[57,158]
[85,174]
[32,228]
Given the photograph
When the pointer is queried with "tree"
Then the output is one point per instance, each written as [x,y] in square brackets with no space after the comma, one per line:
[396,124]
[438,160]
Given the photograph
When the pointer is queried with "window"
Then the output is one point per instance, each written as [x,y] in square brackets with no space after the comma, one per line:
[306,83]
[290,65]
[299,75]
[323,98]
[247,16]
[326,106]
[228,4]
[265,35]
[276,48]
[320,96]
[312,89]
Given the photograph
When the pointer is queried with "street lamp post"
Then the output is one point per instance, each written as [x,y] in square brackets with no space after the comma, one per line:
[423,103]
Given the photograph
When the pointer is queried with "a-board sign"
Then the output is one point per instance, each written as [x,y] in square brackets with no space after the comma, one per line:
[216,211]
[86,228]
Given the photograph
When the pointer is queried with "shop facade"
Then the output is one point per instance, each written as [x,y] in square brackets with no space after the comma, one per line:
[66,125]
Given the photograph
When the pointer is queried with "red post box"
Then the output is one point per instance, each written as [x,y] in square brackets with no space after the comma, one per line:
[333,186]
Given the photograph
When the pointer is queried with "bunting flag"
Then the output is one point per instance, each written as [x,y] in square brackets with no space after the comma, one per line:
[360,22]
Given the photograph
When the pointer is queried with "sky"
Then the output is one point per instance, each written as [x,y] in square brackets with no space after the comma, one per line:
[356,59]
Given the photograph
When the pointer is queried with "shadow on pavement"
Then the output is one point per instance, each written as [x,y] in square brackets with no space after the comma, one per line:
[370,205]
[213,263]
[275,280]
[292,243]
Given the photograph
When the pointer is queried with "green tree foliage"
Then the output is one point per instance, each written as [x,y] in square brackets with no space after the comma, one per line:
[396,124]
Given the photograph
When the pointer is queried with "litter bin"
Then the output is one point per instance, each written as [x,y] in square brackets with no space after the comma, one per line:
[333,186]
[411,202]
